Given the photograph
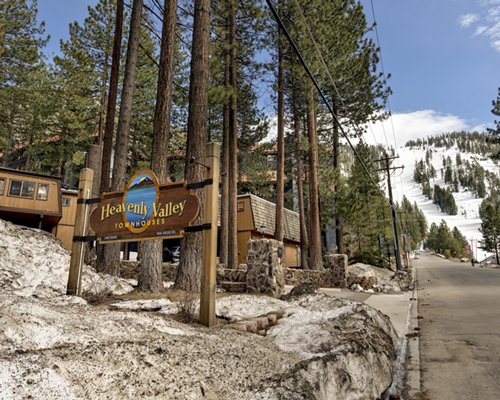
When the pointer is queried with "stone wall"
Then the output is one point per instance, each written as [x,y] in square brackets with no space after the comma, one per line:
[335,266]
[232,275]
[332,276]
[266,272]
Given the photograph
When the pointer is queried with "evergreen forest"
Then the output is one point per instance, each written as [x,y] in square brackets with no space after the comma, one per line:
[147,83]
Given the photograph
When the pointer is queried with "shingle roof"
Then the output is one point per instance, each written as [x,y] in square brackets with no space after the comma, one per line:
[264,213]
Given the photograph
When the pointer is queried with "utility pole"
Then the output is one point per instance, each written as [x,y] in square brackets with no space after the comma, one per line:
[388,169]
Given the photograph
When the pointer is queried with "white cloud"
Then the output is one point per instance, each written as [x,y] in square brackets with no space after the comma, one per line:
[480,30]
[467,20]
[490,22]
[414,125]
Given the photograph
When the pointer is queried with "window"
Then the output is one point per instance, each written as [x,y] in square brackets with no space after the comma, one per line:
[272,162]
[240,206]
[22,189]
[66,201]
[2,186]
[43,191]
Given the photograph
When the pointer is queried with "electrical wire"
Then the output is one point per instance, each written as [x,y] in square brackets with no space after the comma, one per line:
[400,181]
[327,69]
[323,97]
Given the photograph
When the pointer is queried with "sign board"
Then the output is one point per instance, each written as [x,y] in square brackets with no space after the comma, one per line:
[145,210]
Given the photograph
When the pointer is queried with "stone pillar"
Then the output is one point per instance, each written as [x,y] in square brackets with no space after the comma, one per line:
[266,270]
[335,274]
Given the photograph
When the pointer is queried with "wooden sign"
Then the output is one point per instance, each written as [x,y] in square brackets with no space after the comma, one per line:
[145,210]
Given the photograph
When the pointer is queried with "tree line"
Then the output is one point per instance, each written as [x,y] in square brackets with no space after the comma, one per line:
[147,83]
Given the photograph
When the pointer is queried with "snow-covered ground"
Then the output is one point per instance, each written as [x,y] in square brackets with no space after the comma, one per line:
[55,346]
[467,220]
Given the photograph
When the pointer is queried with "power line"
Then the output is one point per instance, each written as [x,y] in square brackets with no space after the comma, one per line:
[318,50]
[383,72]
[322,95]
[388,100]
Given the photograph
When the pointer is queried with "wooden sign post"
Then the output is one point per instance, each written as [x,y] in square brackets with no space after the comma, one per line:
[81,226]
[209,264]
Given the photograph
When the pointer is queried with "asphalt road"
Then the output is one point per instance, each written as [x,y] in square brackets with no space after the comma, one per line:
[459,321]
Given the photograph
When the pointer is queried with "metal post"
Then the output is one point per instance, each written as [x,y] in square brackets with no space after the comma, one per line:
[209,263]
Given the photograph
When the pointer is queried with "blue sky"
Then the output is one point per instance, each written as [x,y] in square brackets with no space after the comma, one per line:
[443,55]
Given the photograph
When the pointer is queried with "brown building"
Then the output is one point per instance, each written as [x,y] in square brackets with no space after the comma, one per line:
[37,201]
[256,219]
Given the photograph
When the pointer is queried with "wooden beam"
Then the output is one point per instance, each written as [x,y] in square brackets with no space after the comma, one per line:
[81,226]
[209,263]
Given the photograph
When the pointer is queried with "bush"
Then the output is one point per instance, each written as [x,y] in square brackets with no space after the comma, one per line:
[187,306]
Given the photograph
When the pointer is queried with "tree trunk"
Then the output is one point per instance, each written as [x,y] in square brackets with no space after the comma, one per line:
[151,276]
[280,176]
[223,236]
[189,271]
[112,96]
[304,240]
[110,262]
[232,251]
[339,220]
[102,105]
[314,218]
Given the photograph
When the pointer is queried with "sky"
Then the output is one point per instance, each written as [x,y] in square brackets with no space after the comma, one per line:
[443,57]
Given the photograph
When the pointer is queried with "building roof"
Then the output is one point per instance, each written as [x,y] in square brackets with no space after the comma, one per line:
[264,217]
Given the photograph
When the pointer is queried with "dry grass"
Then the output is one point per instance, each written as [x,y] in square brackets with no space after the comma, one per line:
[187,303]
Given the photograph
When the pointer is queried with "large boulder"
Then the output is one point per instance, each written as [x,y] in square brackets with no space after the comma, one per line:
[367,277]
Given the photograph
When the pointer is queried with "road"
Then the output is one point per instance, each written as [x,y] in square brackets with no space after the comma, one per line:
[459,321]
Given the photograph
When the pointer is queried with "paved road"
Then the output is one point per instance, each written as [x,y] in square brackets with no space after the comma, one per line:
[459,330]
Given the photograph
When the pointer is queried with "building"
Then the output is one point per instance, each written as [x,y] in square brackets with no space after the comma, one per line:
[256,219]
[38,201]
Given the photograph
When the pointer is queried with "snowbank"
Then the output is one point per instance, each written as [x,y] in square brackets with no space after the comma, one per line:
[37,264]
[59,347]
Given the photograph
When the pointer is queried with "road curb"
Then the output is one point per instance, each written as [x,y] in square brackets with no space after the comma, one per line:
[413,378]
[407,353]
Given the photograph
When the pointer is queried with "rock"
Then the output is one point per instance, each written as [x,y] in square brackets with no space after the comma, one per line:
[303,289]
[357,288]
[365,277]
[266,273]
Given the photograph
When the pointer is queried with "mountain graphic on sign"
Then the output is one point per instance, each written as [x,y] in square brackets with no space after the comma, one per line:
[142,182]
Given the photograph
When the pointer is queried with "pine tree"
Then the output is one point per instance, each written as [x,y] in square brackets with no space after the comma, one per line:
[366,211]
[489,212]
[151,275]
[109,260]
[109,125]
[23,75]
[189,270]
[280,178]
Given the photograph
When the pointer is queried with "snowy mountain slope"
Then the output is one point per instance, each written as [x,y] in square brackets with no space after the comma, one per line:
[467,220]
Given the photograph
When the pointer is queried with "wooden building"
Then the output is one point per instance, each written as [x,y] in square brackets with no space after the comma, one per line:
[256,219]
[37,201]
